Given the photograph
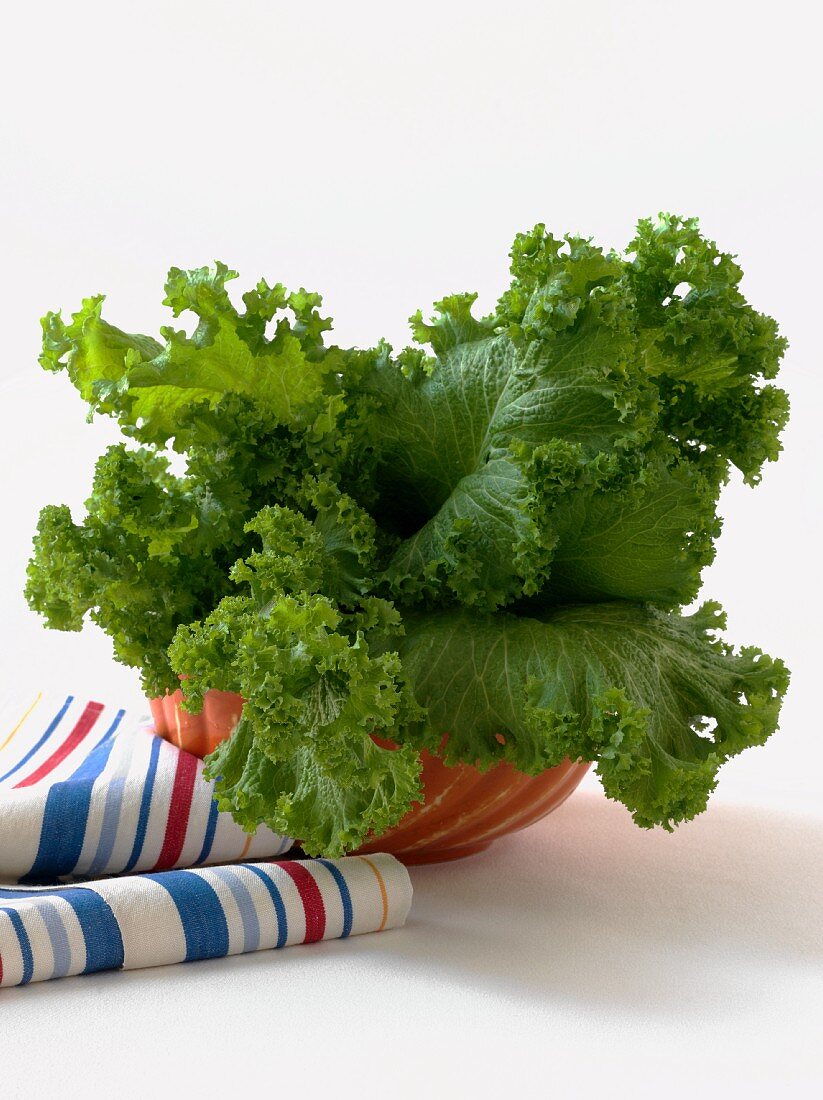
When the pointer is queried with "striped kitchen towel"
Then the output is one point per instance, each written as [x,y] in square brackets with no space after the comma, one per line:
[87,790]
[179,916]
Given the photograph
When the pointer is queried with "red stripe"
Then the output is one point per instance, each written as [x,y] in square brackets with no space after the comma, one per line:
[311,897]
[1,969]
[178,820]
[85,723]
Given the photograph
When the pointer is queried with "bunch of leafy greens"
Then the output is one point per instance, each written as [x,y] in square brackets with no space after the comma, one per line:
[477,549]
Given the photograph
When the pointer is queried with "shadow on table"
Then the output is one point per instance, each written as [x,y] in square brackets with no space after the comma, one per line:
[583,909]
[586,907]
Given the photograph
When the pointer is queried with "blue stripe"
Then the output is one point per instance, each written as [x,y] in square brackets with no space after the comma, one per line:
[108,830]
[96,761]
[208,839]
[23,940]
[94,764]
[111,813]
[67,814]
[104,941]
[55,722]
[345,896]
[64,827]
[145,806]
[204,922]
[245,904]
[277,901]
[58,936]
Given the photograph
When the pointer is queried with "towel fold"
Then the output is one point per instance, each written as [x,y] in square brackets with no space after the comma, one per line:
[88,791]
[180,916]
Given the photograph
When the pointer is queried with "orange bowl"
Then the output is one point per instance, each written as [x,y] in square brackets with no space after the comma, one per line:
[200,733]
[463,809]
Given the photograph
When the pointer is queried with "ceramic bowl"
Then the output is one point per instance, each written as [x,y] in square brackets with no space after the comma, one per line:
[462,812]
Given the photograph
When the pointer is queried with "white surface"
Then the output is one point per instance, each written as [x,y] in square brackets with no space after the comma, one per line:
[581,957]
[386,154]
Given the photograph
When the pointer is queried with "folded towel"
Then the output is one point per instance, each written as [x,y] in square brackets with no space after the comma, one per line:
[86,791]
[179,916]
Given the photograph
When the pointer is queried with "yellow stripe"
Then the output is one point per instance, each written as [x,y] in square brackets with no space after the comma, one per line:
[246,846]
[383,894]
[22,720]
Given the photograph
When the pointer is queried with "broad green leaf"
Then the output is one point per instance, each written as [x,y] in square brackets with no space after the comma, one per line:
[632,688]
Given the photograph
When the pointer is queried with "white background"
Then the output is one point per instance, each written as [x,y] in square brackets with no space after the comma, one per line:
[386,154]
